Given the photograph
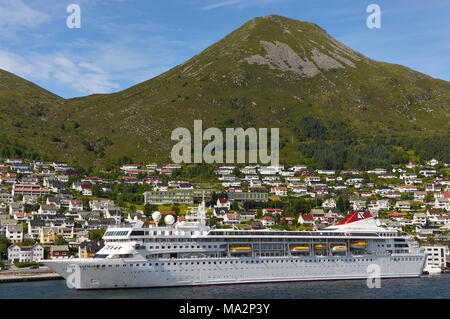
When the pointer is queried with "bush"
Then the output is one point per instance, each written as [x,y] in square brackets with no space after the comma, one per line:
[26,264]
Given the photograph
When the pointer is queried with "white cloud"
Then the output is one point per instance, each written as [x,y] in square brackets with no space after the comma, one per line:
[16,14]
[82,76]
[238,3]
[220,4]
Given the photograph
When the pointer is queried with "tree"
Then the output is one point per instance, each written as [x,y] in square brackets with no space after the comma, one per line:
[96,234]
[148,209]
[176,209]
[343,204]
[4,244]
[96,190]
[237,172]
[60,240]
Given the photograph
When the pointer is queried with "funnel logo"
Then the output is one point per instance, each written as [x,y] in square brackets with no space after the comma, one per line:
[74,279]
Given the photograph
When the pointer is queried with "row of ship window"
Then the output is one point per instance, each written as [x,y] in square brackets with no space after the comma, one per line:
[181,247]
[407,258]
[243,262]
[117,233]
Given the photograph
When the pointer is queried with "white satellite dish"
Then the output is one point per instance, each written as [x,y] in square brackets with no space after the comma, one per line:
[156,216]
[169,220]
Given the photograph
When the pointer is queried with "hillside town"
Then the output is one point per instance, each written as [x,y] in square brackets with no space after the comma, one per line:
[50,210]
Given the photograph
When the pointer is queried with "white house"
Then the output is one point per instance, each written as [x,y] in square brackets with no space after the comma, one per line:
[436,256]
[47,210]
[280,191]
[114,213]
[383,204]
[426,171]
[18,253]
[14,233]
[247,215]
[100,205]
[223,203]
[420,219]
[231,219]
[278,211]
[403,205]
[329,203]
[268,221]
[306,219]
[76,205]
[442,203]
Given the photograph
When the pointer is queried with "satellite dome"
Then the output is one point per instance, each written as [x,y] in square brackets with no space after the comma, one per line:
[169,220]
[156,216]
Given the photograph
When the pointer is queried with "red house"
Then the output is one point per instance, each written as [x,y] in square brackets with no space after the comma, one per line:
[58,252]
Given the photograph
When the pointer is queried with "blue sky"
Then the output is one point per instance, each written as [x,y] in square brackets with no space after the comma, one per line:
[124,42]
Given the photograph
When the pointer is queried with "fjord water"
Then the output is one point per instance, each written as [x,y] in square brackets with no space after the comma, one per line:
[425,287]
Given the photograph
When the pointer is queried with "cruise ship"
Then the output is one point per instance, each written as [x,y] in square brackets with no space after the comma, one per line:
[191,253]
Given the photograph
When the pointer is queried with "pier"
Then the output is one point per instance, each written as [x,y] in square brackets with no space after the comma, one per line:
[18,275]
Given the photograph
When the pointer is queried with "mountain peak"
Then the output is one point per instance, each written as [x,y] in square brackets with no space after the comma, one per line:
[281,44]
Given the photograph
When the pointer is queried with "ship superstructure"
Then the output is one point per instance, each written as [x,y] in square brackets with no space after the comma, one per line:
[189,252]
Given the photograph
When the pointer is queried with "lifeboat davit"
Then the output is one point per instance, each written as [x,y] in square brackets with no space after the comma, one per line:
[359,244]
[240,248]
[320,246]
[339,248]
[300,247]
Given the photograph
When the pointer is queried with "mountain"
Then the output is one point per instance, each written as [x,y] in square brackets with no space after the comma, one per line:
[24,110]
[334,106]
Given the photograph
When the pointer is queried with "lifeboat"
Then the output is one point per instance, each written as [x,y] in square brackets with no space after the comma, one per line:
[320,246]
[339,248]
[358,244]
[300,247]
[240,248]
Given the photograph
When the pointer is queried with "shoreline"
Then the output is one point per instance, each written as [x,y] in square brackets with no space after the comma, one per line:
[28,275]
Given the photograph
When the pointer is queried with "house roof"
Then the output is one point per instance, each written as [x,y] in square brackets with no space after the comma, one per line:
[397,214]
[167,212]
[59,248]
[307,216]
[233,216]
[15,228]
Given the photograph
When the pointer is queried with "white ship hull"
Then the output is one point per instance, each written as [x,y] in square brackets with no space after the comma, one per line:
[108,274]
[432,270]
[190,253]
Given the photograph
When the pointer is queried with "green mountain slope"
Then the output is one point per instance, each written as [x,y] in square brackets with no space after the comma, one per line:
[334,106]
[24,111]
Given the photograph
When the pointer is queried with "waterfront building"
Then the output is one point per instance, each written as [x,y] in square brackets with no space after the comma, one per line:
[436,258]
[59,252]
[22,254]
